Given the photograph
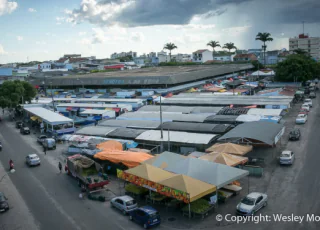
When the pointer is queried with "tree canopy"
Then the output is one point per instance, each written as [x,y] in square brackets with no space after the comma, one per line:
[13,92]
[297,67]
[257,65]
[229,46]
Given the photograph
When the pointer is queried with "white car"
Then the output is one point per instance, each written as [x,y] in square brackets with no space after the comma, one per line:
[124,204]
[33,160]
[287,157]
[302,118]
[252,203]
[306,107]
[308,101]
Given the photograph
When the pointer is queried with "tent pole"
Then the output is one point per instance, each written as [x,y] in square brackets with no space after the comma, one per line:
[248,184]
[189,210]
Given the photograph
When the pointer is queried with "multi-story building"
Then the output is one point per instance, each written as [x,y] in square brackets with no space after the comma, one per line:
[202,56]
[306,43]
[123,54]
[223,57]
[244,58]
[181,57]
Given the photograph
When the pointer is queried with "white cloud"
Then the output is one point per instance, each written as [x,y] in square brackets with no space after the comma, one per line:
[96,12]
[99,35]
[19,38]
[82,33]
[85,41]
[7,7]
[32,10]
[2,51]
[51,34]
[41,43]
[137,37]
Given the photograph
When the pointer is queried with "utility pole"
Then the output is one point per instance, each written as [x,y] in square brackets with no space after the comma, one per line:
[161,147]
[303,27]
[54,109]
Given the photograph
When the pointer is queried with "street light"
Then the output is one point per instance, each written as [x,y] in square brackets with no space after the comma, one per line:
[54,109]
[11,171]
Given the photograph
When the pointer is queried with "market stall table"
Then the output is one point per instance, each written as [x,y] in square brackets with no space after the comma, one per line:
[235,189]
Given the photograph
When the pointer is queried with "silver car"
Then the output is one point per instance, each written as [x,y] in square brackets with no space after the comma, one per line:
[252,203]
[33,160]
[124,204]
[287,157]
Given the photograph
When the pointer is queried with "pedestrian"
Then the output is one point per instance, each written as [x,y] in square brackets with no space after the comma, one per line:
[45,150]
[60,166]
[80,196]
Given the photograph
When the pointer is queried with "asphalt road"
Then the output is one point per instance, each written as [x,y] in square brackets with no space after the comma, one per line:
[51,197]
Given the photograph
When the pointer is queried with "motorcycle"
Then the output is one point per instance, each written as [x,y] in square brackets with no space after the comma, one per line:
[11,166]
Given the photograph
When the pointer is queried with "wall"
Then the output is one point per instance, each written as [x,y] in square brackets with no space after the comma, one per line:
[5,71]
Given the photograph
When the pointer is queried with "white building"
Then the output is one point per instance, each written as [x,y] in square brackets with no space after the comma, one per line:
[202,56]
[182,57]
[124,54]
[306,43]
[224,57]
[163,57]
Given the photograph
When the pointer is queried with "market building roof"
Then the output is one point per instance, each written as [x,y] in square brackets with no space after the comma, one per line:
[196,127]
[48,115]
[101,131]
[177,137]
[218,119]
[165,159]
[155,116]
[209,172]
[257,132]
[125,133]
[164,75]
[133,124]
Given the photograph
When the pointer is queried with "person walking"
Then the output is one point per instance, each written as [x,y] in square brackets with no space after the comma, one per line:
[45,150]
[60,166]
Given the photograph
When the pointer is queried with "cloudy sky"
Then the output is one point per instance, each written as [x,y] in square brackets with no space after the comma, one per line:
[45,30]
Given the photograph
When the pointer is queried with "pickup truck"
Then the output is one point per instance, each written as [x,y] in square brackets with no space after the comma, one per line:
[86,171]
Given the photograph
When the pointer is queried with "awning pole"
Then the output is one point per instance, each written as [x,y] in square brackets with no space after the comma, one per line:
[189,210]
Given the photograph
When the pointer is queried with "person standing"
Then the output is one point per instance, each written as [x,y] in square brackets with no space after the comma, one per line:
[60,166]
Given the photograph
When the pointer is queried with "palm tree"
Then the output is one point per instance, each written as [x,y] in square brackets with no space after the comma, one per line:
[264,37]
[229,46]
[170,46]
[213,44]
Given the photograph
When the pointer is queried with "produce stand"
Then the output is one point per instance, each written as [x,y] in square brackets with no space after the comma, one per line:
[135,191]
[198,208]
[223,195]
[233,189]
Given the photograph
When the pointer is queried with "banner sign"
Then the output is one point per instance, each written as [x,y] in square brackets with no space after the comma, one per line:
[161,189]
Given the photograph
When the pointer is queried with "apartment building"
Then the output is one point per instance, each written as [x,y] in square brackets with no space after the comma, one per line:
[306,43]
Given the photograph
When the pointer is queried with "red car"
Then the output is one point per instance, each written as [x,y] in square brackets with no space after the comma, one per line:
[303,111]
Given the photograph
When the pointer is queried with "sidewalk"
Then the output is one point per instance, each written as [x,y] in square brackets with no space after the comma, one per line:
[18,216]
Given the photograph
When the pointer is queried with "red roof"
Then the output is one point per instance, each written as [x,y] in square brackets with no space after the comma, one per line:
[249,56]
[213,61]
[200,51]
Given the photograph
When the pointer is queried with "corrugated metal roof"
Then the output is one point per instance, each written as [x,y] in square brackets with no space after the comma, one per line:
[125,133]
[155,116]
[195,127]
[182,109]
[48,115]
[178,137]
[212,102]
[207,110]
[101,131]
[263,131]
[248,118]
[221,118]
[265,112]
[134,124]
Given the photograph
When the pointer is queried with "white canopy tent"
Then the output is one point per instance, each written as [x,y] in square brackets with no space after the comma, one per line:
[261,73]
[49,117]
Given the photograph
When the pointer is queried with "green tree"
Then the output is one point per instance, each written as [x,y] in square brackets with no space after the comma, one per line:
[229,46]
[301,52]
[170,46]
[297,68]
[12,93]
[257,65]
[264,37]
[213,45]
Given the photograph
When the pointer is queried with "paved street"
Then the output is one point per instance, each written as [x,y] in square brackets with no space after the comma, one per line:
[52,198]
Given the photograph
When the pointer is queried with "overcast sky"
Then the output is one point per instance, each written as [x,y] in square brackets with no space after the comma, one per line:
[45,30]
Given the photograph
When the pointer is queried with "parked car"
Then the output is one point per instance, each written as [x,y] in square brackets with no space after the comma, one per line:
[124,204]
[308,101]
[287,157]
[49,143]
[252,203]
[4,205]
[24,130]
[146,216]
[306,107]
[41,139]
[301,119]
[19,124]
[312,95]
[294,134]
[303,111]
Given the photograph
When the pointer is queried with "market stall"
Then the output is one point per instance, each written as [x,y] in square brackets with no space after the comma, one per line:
[224,158]
[230,148]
